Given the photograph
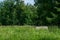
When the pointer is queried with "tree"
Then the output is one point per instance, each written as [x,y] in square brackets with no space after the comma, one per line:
[46,12]
[11,12]
[57,3]
[30,14]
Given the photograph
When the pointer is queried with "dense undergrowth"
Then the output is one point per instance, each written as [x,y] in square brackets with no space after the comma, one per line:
[28,33]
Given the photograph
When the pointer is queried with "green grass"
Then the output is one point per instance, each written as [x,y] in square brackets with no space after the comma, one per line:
[27,33]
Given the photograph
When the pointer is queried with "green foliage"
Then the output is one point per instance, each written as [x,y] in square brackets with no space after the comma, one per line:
[27,33]
[15,12]
[44,12]
[47,12]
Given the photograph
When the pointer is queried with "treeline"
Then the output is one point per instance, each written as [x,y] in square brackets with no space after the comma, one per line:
[48,12]
[43,12]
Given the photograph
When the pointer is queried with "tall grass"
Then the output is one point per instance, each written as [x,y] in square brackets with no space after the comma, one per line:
[27,33]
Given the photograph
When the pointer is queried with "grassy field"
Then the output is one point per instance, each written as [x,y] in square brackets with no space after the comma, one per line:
[28,33]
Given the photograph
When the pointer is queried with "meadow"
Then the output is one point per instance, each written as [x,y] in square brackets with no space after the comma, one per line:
[28,33]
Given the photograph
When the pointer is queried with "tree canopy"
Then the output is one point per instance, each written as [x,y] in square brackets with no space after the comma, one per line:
[43,12]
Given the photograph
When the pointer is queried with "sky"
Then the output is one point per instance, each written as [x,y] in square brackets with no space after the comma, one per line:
[29,2]
[1,0]
[26,1]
